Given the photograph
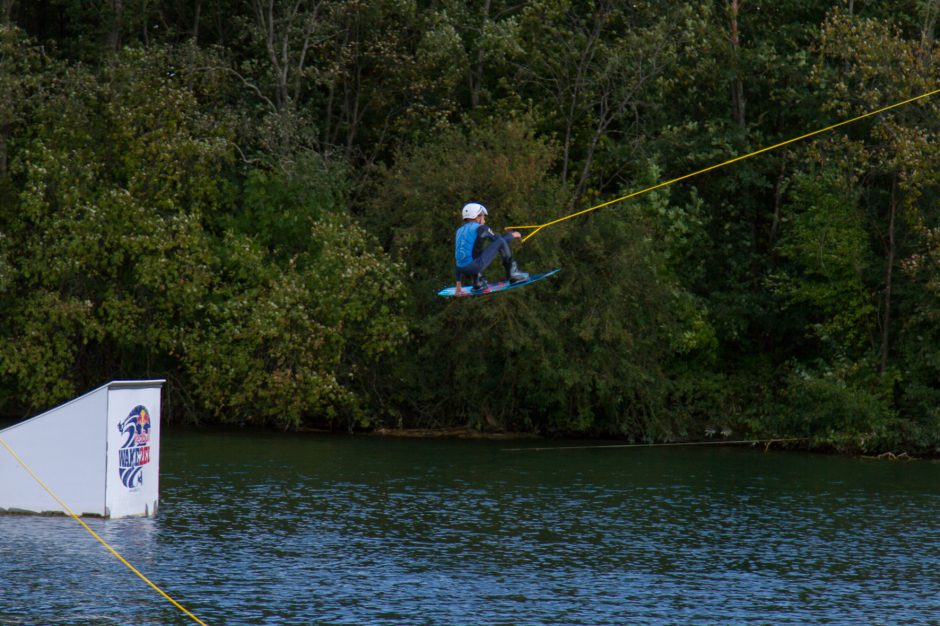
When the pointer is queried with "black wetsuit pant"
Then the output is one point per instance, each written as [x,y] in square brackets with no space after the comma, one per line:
[499,246]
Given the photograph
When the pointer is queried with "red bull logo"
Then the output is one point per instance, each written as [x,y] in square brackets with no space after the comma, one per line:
[135,451]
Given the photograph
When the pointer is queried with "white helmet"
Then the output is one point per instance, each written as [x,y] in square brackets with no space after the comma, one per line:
[472,210]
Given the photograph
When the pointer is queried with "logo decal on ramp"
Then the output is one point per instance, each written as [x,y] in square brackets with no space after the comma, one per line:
[135,451]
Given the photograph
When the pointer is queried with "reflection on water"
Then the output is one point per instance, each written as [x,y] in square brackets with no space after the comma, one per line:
[278,529]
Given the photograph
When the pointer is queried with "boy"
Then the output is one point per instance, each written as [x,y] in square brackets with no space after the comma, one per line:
[470,255]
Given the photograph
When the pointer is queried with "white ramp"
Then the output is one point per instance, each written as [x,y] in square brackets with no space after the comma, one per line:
[100,453]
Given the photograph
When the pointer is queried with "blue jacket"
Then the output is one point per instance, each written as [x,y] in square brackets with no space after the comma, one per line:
[465,242]
[469,241]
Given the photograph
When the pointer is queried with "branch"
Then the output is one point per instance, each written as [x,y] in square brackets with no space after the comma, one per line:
[244,81]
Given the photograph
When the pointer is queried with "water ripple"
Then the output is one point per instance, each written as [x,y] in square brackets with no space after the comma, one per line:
[319,530]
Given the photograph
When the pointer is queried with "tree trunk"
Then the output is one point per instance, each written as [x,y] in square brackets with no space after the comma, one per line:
[737,85]
[574,104]
[889,269]
[145,26]
[931,10]
[3,153]
[6,14]
[353,114]
[196,15]
[6,11]
[779,188]
[476,71]
[117,23]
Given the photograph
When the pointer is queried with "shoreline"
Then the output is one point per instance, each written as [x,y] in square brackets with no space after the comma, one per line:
[455,432]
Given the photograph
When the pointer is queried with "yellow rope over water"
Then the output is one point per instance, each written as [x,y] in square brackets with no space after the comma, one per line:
[97,536]
[537,227]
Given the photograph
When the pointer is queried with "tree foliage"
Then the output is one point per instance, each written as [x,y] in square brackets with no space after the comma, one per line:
[126,258]
[257,201]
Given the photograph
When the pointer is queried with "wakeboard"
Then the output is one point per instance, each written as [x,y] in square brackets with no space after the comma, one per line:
[503,285]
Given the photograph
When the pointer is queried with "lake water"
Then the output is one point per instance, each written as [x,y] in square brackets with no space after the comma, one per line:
[287,529]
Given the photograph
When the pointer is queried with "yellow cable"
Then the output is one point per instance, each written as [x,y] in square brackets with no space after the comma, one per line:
[537,227]
[97,536]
